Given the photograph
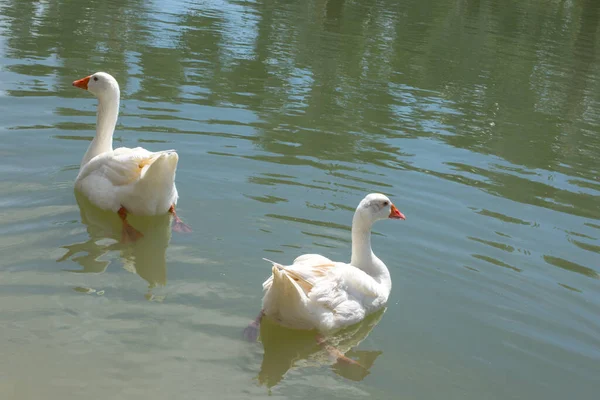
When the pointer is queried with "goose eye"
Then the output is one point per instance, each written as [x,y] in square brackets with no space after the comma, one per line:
[95,78]
[386,203]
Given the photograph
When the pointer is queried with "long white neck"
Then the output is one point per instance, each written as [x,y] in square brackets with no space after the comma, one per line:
[106,119]
[362,253]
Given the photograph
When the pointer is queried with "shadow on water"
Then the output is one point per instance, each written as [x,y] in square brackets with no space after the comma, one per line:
[146,257]
[286,349]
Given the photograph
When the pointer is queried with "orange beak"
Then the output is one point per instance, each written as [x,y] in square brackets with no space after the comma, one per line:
[396,214]
[82,83]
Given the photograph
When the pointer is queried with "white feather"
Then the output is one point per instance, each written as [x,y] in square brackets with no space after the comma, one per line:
[140,180]
[317,293]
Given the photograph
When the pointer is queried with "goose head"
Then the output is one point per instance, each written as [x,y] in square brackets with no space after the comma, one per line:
[376,206]
[101,84]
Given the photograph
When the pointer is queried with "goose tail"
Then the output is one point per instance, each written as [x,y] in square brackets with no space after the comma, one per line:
[284,299]
[162,169]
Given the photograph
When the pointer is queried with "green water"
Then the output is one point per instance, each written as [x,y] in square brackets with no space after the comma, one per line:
[480,119]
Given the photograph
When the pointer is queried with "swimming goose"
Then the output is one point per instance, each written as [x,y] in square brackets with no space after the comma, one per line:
[125,180]
[317,293]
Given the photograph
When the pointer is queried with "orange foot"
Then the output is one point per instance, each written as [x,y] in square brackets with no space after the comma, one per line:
[178,224]
[129,233]
[335,353]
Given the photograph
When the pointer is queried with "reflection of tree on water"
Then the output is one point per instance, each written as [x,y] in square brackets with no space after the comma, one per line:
[336,80]
[146,257]
[320,78]
[86,36]
[310,82]
[286,349]
[579,137]
[509,77]
[327,65]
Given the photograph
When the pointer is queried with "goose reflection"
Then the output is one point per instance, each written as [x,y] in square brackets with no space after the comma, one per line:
[145,257]
[286,348]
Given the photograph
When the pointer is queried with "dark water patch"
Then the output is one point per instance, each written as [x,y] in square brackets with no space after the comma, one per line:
[497,245]
[330,237]
[494,261]
[310,222]
[502,217]
[571,266]
[571,288]
[267,199]
[586,246]
[581,235]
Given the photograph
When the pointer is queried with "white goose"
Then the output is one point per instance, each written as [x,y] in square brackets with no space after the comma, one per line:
[124,180]
[317,293]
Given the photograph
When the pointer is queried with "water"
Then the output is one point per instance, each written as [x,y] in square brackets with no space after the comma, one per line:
[479,119]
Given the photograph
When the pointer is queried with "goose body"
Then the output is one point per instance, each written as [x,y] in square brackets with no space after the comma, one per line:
[315,292]
[124,180]
[137,179]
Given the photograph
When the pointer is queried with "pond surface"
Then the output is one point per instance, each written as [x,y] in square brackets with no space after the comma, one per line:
[480,119]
